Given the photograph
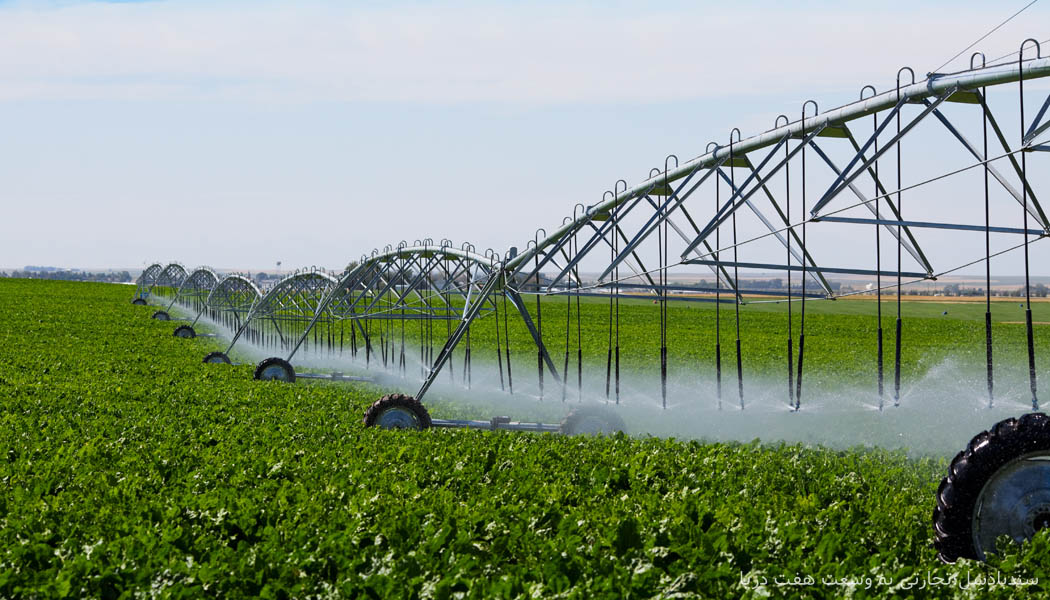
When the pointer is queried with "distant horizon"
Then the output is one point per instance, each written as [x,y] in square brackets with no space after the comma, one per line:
[1012,279]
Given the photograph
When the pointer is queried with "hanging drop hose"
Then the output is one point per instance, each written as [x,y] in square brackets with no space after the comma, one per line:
[499,344]
[879,365]
[448,315]
[1024,210]
[423,345]
[608,356]
[568,320]
[368,342]
[539,323]
[900,213]
[506,334]
[612,314]
[718,298]
[802,312]
[662,241]
[616,288]
[403,368]
[736,278]
[579,331]
[466,360]
[353,338]
[662,293]
[987,246]
[790,349]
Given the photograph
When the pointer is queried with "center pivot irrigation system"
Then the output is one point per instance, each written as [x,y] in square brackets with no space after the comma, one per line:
[782,201]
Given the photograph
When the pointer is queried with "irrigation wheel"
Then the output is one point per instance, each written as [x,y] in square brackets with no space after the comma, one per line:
[184,331]
[999,485]
[275,368]
[139,302]
[592,420]
[219,358]
[161,315]
[397,411]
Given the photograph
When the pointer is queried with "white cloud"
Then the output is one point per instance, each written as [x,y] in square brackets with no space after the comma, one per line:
[465,53]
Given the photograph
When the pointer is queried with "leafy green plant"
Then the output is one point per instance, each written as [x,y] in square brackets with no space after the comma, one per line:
[130,469]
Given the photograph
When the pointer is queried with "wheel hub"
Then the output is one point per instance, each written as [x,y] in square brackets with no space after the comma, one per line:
[398,418]
[1014,502]
[592,425]
[274,372]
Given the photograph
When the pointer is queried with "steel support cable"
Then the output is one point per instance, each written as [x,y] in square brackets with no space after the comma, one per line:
[938,274]
[983,37]
[1024,192]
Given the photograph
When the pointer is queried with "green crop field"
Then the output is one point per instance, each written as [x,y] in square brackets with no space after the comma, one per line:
[133,470]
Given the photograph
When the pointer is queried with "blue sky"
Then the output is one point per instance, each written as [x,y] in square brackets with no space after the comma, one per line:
[240,133]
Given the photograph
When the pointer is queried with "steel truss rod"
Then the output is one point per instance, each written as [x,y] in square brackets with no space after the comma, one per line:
[911,244]
[391,281]
[518,303]
[1013,159]
[1033,210]
[778,267]
[696,230]
[468,318]
[734,203]
[847,177]
[928,225]
[1035,129]
[678,288]
[446,351]
[663,212]
[609,227]
[353,277]
[559,240]
[815,273]
[639,271]
[1009,153]
[931,87]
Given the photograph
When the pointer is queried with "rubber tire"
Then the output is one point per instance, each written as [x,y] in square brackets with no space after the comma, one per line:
[161,315]
[612,421]
[389,401]
[223,359]
[139,302]
[275,361]
[184,331]
[968,472]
